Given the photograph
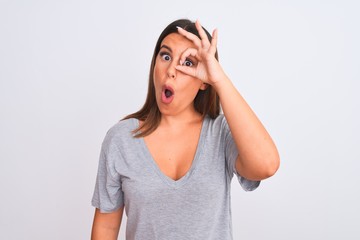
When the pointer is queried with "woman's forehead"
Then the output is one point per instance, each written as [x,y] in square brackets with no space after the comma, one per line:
[177,42]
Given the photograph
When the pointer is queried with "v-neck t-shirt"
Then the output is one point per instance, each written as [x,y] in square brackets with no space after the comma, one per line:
[196,206]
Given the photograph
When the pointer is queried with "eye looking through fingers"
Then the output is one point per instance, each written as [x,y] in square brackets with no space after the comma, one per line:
[189,58]
[189,62]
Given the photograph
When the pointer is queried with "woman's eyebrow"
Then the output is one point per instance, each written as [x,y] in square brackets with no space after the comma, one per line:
[164,46]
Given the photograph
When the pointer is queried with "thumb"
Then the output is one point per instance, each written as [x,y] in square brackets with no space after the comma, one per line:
[186,70]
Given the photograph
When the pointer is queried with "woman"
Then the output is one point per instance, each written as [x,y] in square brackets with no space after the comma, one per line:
[171,163]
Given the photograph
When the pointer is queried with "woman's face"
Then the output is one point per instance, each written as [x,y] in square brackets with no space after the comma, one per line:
[174,90]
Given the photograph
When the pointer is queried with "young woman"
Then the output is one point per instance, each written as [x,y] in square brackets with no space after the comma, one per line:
[170,164]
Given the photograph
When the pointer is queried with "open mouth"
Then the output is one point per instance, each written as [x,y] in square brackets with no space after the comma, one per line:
[167,94]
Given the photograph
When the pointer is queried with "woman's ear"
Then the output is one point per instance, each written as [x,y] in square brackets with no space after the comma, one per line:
[203,86]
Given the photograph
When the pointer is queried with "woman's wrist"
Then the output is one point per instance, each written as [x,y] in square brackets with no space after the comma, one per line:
[222,86]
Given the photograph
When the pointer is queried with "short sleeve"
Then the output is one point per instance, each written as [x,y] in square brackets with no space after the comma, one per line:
[231,154]
[108,195]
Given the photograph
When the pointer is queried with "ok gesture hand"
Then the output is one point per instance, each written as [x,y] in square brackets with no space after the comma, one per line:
[208,68]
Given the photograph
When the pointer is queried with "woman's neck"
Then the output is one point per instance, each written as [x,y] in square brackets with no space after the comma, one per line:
[181,120]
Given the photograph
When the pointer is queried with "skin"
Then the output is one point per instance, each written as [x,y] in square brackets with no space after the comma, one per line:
[180,124]
[165,73]
[106,225]
[258,158]
[173,143]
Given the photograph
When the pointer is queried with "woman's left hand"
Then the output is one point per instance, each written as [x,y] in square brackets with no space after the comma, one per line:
[207,68]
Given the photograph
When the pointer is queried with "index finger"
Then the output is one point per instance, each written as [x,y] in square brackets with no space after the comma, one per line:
[192,37]
[204,38]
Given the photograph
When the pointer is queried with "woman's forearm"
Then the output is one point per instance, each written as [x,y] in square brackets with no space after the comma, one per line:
[106,225]
[258,156]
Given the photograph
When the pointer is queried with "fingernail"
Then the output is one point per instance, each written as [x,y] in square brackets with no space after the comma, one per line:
[179,27]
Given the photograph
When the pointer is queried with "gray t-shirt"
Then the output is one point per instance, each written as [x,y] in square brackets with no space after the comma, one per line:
[197,206]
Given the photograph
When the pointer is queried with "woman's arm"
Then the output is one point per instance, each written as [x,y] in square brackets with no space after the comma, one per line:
[258,157]
[106,225]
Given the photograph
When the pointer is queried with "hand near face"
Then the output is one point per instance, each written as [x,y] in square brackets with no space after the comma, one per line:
[206,67]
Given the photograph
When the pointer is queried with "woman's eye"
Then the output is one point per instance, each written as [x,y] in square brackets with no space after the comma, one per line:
[165,56]
[188,63]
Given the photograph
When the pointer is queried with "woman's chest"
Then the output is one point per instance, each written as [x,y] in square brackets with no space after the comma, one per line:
[204,183]
[142,179]
[174,153]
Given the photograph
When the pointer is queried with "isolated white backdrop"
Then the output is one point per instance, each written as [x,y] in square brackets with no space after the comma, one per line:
[71,69]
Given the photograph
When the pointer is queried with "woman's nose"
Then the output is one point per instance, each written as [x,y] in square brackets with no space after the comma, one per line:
[171,71]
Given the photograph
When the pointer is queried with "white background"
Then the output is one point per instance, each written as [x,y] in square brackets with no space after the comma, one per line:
[71,69]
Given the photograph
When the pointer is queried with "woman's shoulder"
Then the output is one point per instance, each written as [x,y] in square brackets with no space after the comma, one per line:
[217,127]
[121,130]
[217,122]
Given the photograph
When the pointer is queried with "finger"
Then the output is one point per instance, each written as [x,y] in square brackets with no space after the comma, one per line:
[190,36]
[187,70]
[204,39]
[214,40]
[187,53]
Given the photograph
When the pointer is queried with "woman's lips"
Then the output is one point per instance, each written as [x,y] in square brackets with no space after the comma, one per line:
[167,94]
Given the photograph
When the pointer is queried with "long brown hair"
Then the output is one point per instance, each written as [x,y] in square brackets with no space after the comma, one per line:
[206,101]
